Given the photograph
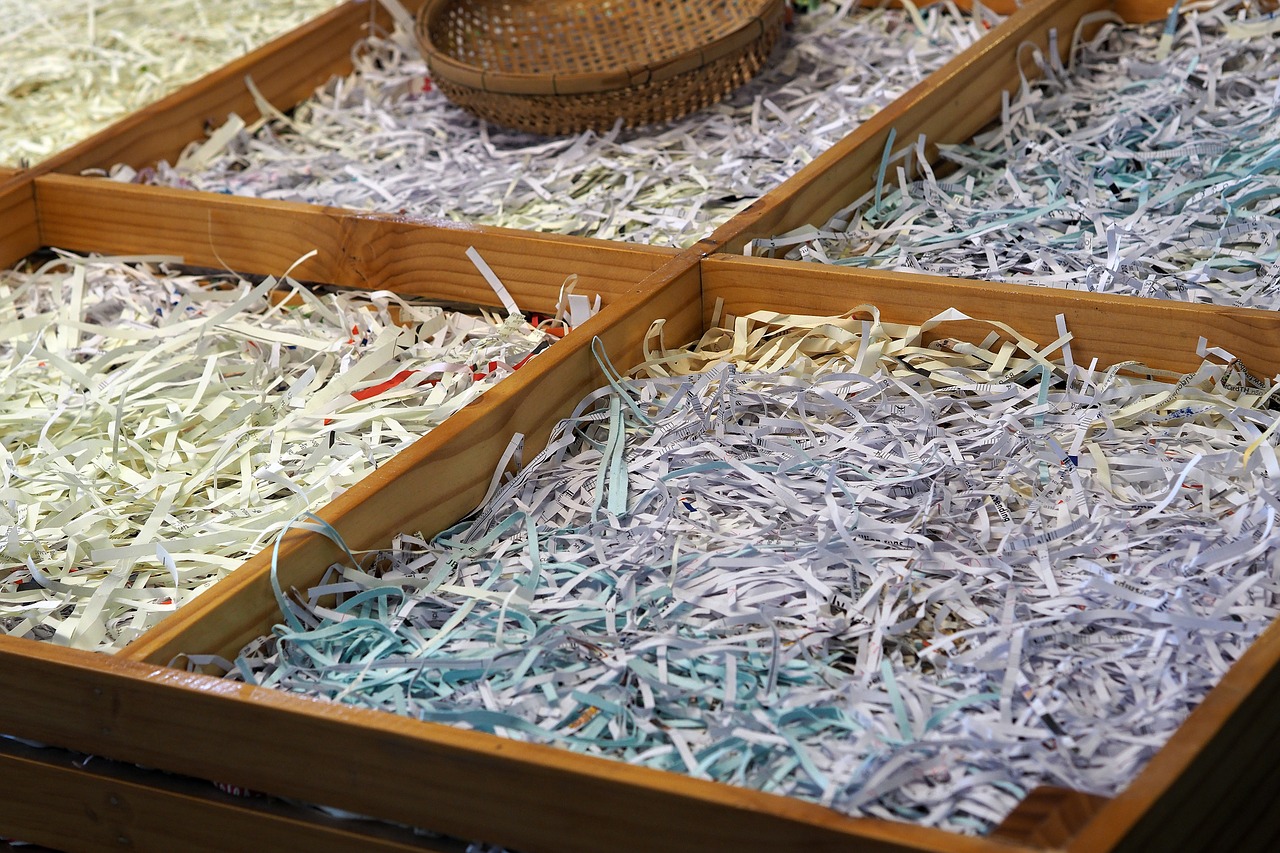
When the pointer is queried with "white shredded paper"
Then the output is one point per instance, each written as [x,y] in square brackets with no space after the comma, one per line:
[157,428]
[384,138]
[822,558]
[68,68]
[1149,167]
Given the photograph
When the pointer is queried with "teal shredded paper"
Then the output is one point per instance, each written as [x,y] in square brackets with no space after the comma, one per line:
[1149,165]
[902,579]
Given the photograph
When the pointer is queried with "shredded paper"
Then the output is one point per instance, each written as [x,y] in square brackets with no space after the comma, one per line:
[869,565]
[157,427]
[1150,167]
[68,68]
[384,138]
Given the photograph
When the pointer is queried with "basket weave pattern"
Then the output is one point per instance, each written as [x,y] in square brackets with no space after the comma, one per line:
[563,66]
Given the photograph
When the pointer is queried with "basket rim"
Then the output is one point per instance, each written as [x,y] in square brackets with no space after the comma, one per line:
[768,14]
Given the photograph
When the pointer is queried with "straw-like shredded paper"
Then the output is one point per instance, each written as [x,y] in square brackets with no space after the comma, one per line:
[157,428]
[1149,167]
[822,558]
[69,68]
[383,138]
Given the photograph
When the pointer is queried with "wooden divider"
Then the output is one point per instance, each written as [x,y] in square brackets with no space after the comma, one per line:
[413,256]
[285,71]
[19,224]
[1109,328]
[1133,11]
[948,107]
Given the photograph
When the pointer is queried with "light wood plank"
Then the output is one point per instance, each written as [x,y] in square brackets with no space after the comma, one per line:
[948,107]
[1109,328]
[412,256]
[1133,11]
[1049,817]
[285,71]
[470,785]
[74,802]
[1143,11]
[19,225]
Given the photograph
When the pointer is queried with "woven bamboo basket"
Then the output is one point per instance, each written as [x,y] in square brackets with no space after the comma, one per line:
[564,66]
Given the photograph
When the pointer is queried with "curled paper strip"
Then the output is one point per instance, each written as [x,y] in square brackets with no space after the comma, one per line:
[71,67]
[1149,167]
[384,138]
[156,428]
[893,572]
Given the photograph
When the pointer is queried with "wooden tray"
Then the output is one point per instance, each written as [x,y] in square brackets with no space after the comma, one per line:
[366,251]
[1211,788]
[533,798]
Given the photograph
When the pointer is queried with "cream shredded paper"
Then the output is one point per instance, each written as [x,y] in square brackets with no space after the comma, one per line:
[158,427]
[68,68]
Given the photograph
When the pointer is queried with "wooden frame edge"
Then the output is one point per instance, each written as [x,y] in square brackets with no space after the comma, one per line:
[19,221]
[103,804]
[352,248]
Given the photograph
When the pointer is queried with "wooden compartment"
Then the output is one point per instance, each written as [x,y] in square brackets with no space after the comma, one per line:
[356,251]
[134,707]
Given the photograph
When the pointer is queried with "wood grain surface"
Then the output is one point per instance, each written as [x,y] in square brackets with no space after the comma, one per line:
[1111,329]
[1133,11]
[19,224]
[75,802]
[1049,817]
[408,255]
